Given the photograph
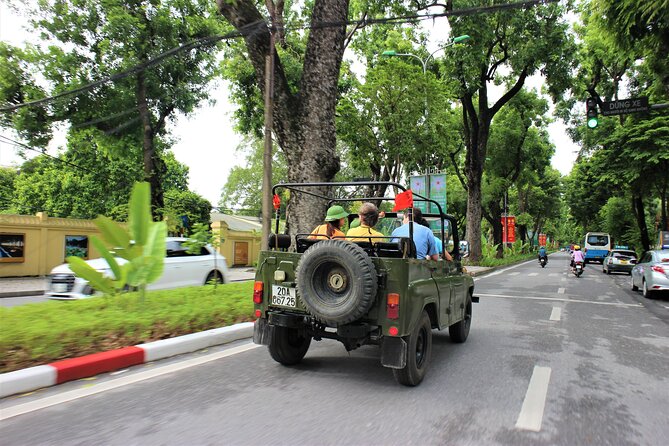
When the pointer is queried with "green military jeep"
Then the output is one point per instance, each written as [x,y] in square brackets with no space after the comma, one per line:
[372,292]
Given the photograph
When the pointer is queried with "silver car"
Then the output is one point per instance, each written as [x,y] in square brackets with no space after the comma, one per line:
[181,269]
[651,274]
[619,260]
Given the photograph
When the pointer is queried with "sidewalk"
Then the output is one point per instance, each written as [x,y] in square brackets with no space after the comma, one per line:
[34,286]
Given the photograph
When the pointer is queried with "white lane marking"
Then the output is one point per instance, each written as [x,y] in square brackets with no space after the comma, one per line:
[564,279]
[560,290]
[532,412]
[553,274]
[555,314]
[515,273]
[65,397]
[533,274]
[557,299]
[504,270]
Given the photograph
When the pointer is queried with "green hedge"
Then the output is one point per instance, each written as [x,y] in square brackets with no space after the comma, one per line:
[40,333]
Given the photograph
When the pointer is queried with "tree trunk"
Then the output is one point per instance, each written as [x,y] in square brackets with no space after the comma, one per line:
[474,162]
[304,121]
[153,165]
[640,214]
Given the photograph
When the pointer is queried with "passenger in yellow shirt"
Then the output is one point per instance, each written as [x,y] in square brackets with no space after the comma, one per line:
[334,221]
[369,216]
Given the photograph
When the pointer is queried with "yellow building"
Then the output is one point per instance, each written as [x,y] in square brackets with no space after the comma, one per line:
[31,245]
[241,238]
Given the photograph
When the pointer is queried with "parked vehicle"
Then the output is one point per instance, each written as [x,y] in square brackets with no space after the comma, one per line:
[181,269]
[619,260]
[371,292]
[651,273]
[596,246]
[577,269]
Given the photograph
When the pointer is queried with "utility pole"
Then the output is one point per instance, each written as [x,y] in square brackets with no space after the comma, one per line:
[267,153]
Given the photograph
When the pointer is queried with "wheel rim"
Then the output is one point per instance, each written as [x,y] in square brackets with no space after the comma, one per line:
[421,347]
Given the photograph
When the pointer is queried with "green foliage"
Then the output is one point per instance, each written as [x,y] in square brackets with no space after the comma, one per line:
[44,332]
[142,247]
[241,192]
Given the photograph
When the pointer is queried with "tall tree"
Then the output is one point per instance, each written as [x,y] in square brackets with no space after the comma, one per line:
[88,40]
[304,113]
[506,48]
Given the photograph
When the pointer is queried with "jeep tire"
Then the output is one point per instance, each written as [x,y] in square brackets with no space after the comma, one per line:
[288,345]
[419,353]
[460,330]
[337,281]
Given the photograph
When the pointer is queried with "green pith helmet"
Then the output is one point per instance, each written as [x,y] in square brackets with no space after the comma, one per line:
[335,213]
[355,223]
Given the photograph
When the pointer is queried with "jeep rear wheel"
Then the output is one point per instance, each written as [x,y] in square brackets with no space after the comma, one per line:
[419,353]
[337,281]
[459,331]
[288,346]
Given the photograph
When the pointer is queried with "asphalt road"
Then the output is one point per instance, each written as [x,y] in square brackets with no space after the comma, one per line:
[551,359]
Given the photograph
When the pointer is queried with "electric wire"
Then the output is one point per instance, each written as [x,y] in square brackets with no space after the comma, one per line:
[258,26]
[43,152]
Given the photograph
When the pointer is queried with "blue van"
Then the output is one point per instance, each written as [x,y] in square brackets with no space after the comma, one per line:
[596,246]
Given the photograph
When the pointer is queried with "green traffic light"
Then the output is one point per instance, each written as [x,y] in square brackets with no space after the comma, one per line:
[592,123]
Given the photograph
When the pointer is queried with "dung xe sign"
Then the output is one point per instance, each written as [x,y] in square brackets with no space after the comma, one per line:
[625,106]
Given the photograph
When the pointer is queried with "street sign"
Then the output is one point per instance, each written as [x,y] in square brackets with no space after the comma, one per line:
[625,106]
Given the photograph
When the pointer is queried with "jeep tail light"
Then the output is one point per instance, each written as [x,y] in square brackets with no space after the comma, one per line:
[658,269]
[257,293]
[393,331]
[258,314]
[393,306]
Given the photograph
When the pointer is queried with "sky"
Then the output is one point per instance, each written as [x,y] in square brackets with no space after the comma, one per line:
[206,140]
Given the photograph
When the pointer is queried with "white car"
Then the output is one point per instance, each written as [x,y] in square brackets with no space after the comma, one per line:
[181,269]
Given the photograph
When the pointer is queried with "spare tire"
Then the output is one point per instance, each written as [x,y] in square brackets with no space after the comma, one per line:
[337,281]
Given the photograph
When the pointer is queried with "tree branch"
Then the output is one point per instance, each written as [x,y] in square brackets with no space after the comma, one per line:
[511,93]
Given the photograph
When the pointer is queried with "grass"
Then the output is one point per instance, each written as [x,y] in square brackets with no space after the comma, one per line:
[40,333]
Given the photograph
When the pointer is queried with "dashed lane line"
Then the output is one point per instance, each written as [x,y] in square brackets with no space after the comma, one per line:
[501,271]
[558,299]
[65,397]
[555,314]
[533,274]
[561,290]
[515,273]
[532,412]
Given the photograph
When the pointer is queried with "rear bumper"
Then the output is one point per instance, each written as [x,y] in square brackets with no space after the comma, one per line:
[620,268]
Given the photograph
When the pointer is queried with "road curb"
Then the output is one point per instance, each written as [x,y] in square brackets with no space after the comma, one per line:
[58,372]
[496,268]
[20,293]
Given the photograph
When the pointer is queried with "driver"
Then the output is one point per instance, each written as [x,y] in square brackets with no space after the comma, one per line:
[369,216]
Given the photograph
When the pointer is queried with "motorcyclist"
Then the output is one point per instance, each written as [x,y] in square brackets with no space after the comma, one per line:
[577,256]
[542,254]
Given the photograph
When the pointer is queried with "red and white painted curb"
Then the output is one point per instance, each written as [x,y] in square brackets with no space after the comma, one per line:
[58,372]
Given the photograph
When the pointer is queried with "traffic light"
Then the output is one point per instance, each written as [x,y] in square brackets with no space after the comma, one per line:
[591,112]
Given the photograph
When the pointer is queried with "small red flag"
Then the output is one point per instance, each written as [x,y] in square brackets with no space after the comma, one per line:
[276,201]
[403,200]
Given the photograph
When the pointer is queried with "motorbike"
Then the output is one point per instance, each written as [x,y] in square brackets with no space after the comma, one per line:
[543,261]
[578,269]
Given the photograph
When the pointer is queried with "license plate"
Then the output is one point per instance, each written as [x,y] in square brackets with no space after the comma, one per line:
[283,296]
[59,287]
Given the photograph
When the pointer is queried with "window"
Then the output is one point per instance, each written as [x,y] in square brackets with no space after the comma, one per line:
[177,249]
[12,248]
[624,254]
[77,246]
[598,240]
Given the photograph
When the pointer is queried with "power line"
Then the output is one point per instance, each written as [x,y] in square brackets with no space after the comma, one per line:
[43,152]
[260,25]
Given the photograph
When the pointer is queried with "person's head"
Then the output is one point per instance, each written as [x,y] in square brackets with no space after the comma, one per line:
[417,217]
[369,214]
[577,248]
[336,216]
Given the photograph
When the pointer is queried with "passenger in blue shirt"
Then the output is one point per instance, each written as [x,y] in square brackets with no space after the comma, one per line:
[542,253]
[422,237]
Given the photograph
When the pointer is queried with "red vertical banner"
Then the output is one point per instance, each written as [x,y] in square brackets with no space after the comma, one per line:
[511,225]
[542,239]
[509,229]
